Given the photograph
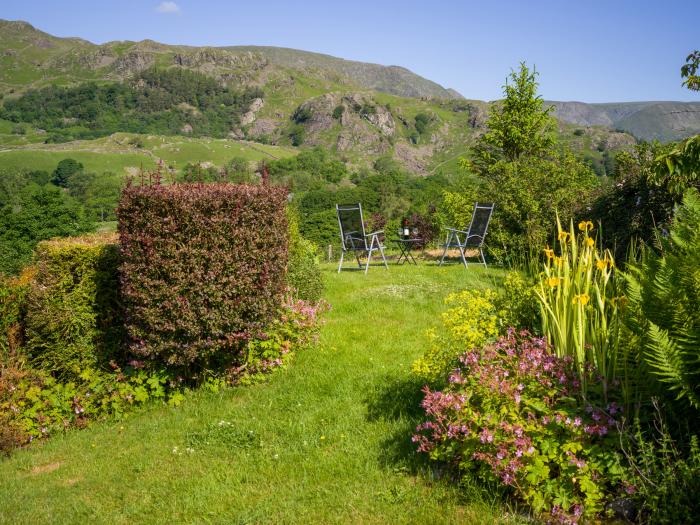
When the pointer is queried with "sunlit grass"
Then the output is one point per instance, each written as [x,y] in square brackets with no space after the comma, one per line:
[326,441]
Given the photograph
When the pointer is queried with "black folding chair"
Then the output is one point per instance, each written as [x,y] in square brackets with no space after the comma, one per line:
[353,236]
[473,237]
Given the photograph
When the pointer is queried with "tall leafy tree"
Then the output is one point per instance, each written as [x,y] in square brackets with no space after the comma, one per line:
[519,125]
[690,69]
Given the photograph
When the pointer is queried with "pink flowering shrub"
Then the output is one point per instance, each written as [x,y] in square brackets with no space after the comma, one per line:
[514,412]
[295,326]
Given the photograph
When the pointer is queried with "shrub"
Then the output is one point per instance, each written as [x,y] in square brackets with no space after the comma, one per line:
[34,405]
[579,303]
[514,413]
[13,297]
[293,328]
[471,321]
[74,319]
[517,304]
[203,269]
[303,272]
[663,292]
[664,481]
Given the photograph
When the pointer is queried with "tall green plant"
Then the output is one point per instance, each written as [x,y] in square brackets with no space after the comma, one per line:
[663,291]
[579,304]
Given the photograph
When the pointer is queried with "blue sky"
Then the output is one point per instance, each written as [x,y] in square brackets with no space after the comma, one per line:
[592,51]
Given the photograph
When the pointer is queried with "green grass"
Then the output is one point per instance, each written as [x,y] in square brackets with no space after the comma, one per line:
[116,153]
[325,441]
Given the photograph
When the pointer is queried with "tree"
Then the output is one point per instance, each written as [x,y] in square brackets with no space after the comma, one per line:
[689,71]
[519,125]
[38,213]
[64,170]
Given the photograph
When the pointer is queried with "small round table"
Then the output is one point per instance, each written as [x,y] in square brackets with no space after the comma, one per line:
[405,247]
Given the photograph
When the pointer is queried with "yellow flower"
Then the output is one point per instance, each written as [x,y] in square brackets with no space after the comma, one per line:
[558,261]
[602,264]
[585,226]
[563,235]
[581,298]
[553,281]
[549,253]
[589,242]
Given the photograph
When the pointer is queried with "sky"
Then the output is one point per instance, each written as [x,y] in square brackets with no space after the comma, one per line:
[589,51]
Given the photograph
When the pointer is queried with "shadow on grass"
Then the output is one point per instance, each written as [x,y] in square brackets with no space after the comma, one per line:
[397,400]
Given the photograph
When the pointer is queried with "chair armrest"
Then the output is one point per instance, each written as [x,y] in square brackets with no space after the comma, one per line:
[374,233]
[456,230]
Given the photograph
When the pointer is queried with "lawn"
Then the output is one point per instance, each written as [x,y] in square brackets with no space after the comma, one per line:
[325,441]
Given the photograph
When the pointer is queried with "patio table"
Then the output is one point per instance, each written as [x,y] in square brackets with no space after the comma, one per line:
[405,247]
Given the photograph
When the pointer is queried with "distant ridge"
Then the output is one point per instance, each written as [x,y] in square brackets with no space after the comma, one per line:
[653,120]
[31,58]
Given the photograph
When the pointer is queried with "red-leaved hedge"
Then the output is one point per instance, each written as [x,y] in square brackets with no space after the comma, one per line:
[203,269]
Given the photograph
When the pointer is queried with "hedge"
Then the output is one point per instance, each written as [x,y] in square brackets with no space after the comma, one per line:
[74,320]
[203,269]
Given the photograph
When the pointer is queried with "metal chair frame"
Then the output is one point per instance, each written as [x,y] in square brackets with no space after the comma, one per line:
[472,239]
[356,241]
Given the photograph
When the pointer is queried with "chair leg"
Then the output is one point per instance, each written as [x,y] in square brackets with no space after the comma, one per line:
[340,266]
[369,255]
[461,252]
[483,259]
[381,251]
[447,245]
[359,263]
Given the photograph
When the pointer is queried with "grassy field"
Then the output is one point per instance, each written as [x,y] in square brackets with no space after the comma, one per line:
[117,152]
[326,441]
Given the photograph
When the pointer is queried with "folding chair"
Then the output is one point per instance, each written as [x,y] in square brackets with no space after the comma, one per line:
[473,237]
[353,236]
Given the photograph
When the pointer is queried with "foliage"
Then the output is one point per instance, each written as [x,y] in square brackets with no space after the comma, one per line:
[13,296]
[679,168]
[517,303]
[203,269]
[513,412]
[528,194]
[303,271]
[295,327]
[519,125]
[155,102]
[636,202]
[664,480]
[36,213]
[663,293]
[689,71]
[470,322]
[34,405]
[73,320]
[64,170]
[580,304]
[239,171]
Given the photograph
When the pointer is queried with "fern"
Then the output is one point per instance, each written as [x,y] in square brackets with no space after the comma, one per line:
[663,293]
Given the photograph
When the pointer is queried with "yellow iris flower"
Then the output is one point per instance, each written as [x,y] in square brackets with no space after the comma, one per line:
[585,226]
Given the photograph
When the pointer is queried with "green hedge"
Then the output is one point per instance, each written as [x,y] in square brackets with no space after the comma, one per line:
[73,320]
[303,270]
[203,269]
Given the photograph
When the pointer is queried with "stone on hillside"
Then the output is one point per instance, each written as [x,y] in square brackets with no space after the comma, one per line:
[249,116]
[187,128]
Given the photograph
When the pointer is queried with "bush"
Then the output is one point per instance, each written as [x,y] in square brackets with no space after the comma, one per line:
[13,301]
[203,269]
[74,319]
[469,323]
[34,405]
[514,413]
[664,481]
[303,272]
[663,293]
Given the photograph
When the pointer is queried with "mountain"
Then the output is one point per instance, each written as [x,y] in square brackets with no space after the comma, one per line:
[663,121]
[30,57]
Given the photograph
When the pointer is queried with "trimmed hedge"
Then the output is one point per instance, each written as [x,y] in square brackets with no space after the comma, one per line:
[203,269]
[303,271]
[73,319]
